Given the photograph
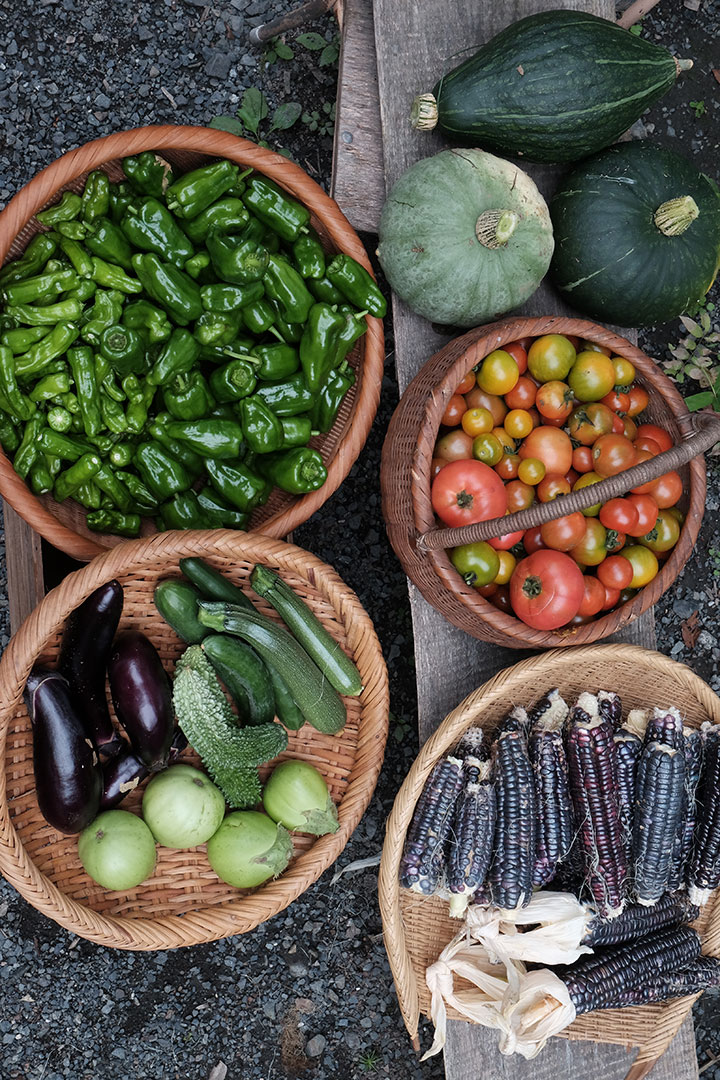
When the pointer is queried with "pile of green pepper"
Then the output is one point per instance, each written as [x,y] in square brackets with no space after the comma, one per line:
[170,345]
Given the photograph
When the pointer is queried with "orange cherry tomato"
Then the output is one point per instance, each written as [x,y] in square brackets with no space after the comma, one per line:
[639,399]
[533,541]
[647,511]
[666,490]
[657,434]
[519,354]
[454,410]
[615,572]
[582,459]
[614,541]
[477,421]
[555,400]
[531,471]
[498,372]
[478,399]
[593,598]
[588,422]
[612,596]
[507,466]
[620,515]
[519,495]
[436,465]
[507,565]
[518,423]
[552,485]
[564,532]
[624,371]
[454,446]
[629,429]
[487,448]
[644,442]
[584,481]
[612,454]
[523,394]
[551,446]
[466,383]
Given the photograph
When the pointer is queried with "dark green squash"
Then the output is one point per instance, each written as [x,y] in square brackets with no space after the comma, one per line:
[553,87]
[637,235]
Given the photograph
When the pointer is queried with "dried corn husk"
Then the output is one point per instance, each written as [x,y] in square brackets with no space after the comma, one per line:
[562,922]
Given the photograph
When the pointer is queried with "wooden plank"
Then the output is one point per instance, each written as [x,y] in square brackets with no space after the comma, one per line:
[358,180]
[23,555]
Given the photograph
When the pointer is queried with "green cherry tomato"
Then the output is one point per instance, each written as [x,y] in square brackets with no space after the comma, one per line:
[644,564]
[487,448]
[592,548]
[478,564]
[592,376]
[665,533]
[550,357]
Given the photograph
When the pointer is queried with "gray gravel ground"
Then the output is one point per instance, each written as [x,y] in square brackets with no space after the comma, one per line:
[309,993]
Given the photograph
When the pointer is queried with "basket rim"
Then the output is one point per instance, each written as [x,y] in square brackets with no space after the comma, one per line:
[460,603]
[248,910]
[33,195]
[447,734]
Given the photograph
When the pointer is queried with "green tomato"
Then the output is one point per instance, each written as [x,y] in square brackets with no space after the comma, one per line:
[487,448]
[478,564]
[550,358]
[665,533]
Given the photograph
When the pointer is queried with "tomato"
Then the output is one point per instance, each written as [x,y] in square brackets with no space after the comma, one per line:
[507,565]
[619,514]
[531,471]
[615,572]
[487,448]
[584,481]
[523,394]
[501,598]
[614,541]
[592,376]
[498,373]
[454,446]
[546,590]
[571,476]
[664,535]
[591,550]
[478,399]
[611,597]
[466,383]
[618,425]
[488,590]
[588,422]
[518,351]
[507,541]
[647,510]
[467,491]
[550,357]
[616,402]
[657,434]
[518,423]
[624,371]
[519,495]
[639,399]
[676,513]
[436,465]
[629,429]
[643,562]
[627,594]
[477,421]
[532,540]
[644,442]
[666,490]
[535,416]
[564,532]
[592,346]
[552,485]
[509,445]
[454,410]
[507,466]
[554,400]
[612,454]
[593,598]
[582,459]
[580,620]
[551,446]
[477,564]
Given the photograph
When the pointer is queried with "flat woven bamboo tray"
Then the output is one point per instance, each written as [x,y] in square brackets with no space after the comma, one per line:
[183,903]
[406,471]
[186,148]
[417,928]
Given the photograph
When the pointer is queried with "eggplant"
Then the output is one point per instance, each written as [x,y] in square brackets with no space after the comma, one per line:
[142,697]
[125,771]
[84,652]
[68,779]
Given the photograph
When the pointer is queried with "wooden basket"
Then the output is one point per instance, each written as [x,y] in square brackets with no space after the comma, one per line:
[63,524]
[417,928]
[183,903]
[405,481]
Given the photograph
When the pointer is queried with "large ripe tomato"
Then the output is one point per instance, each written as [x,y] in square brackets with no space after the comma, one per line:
[657,434]
[593,598]
[454,410]
[664,534]
[477,422]
[592,376]
[546,589]
[564,532]
[468,491]
[591,550]
[612,454]
[643,562]
[478,399]
[619,514]
[550,357]
[523,394]
[550,445]
[555,400]
[588,422]
[615,572]
[477,564]
[498,373]
[455,446]
[647,511]
[518,351]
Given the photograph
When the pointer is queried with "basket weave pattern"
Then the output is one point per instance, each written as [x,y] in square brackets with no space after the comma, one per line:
[417,928]
[183,903]
[406,471]
[63,524]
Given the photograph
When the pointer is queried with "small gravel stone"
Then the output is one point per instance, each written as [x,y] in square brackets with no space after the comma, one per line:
[315,1046]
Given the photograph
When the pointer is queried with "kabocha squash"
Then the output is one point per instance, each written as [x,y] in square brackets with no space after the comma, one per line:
[553,87]
[464,237]
[637,235]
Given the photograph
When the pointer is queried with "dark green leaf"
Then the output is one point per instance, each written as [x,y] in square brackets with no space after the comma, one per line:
[329,55]
[286,115]
[700,401]
[228,123]
[284,51]
[312,41]
[254,109]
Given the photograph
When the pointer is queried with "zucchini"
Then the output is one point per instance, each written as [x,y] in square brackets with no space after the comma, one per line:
[212,584]
[244,675]
[177,602]
[315,697]
[286,708]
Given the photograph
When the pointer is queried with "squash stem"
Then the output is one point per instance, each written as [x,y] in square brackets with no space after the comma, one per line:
[424,112]
[494,228]
[676,215]
[682,65]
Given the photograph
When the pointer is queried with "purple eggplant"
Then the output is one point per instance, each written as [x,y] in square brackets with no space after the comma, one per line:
[142,697]
[68,779]
[84,652]
[125,771]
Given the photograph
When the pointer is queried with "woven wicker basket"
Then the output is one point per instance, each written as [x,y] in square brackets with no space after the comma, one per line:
[417,928]
[183,903]
[63,524]
[405,479]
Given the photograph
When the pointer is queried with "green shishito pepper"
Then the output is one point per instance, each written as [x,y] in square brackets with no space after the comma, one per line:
[318,344]
[356,285]
[219,511]
[262,429]
[197,266]
[124,349]
[289,397]
[223,298]
[259,317]
[287,217]
[276,361]
[83,291]
[152,323]
[49,315]
[197,190]
[41,248]
[39,478]
[150,226]
[106,311]
[237,483]
[14,401]
[61,446]
[140,395]
[96,196]
[284,284]
[297,431]
[309,256]
[323,289]
[177,356]
[71,230]
[296,471]
[84,469]
[210,438]
[38,356]
[148,173]
[159,471]
[331,396]
[111,276]
[184,512]
[79,258]
[354,328]
[143,501]
[114,523]
[29,448]
[236,259]
[173,289]
[41,287]
[233,381]
[108,242]
[121,195]
[67,209]
[180,451]
[59,419]
[20,340]
[226,216]
[187,397]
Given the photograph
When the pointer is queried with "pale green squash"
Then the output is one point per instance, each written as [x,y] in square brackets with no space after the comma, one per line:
[464,237]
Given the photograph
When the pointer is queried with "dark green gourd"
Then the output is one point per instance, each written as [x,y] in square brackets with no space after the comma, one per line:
[637,235]
[553,87]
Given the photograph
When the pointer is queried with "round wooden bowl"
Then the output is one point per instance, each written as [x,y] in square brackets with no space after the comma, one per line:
[183,903]
[417,928]
[186,148]
[406,469]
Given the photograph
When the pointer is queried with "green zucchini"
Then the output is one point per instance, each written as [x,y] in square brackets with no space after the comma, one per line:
[212,584]
[327,653]
[177,601]
[286,708]
[315,697]
[245,676]
[553,87]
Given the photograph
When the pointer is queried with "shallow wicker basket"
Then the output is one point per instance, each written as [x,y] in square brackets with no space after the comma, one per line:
[63,524]
[417,928]
[183,903]
[405,479]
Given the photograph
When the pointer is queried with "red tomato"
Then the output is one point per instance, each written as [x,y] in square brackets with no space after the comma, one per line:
[615,572]
[551,446]
[454,410]
[614,541]
[551,486]
[519,496]
[518,351]
[657,434]
[507,466]
[593,598]
[612,454]
[532,541]
[504,543]
[611,596]
[666,490]
[523,394]
[467,383]
[564,532]
[454,446]
[555,400]
[644,442]
[546,590]
[647,510]
[616,401]
[478,399]
[629,429]
[618,424]
[621,515]
[639,399]
[468,491]
[582,459]
[571,476]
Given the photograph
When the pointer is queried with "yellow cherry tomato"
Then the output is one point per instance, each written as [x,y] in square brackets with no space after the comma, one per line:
[644,563]
[498,373]
[624,371]
[531,471]
[518,423]
[477,421]
[507,565]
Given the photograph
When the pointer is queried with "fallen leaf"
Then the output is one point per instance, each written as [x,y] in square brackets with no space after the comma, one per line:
[690,630]
[521,69]
[716,73]
[219,1072]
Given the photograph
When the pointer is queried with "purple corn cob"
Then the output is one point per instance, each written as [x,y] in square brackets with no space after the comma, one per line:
[628,747]
[699,975]
[638,921]
[682,845]
[592,768]
[423,859]
[511,869]
[659,795]
[704,871]
[610,707]
[547,756]
[472,744]
[665,726]
[471,836]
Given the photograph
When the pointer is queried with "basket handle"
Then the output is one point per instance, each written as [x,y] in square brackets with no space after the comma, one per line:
[706,433]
